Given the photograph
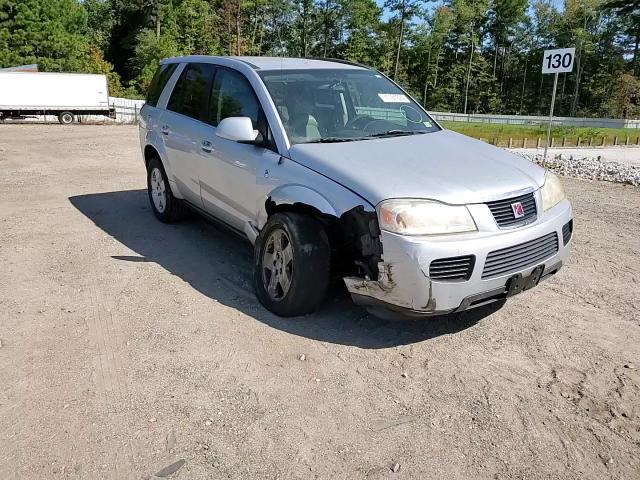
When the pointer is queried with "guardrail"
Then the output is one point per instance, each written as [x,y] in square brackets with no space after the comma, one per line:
[536,120]
[565,142]
[129,114]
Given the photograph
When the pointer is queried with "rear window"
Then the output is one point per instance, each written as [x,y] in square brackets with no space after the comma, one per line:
[160,79]
[190,96]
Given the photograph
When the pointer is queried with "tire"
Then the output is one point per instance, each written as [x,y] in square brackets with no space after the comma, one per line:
[65,118]
[302,260]
[165,206]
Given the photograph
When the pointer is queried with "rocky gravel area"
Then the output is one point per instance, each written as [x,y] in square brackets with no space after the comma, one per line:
[592,168]
[131,349]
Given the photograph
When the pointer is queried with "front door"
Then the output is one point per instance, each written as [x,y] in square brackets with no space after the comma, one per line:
[228,176]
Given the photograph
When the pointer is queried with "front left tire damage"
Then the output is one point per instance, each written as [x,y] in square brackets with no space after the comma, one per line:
[291,264]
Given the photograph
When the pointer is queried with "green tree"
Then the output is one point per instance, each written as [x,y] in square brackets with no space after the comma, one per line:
[196,25]
[429,44]
[404,11]
[47,32]
[503,17]
[629,10]
[149,50]
[361,24]
[459,55]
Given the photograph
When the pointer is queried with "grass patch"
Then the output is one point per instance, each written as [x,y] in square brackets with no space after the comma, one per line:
[499,134]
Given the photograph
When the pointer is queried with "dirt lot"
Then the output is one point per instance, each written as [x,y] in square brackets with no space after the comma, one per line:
[128,345]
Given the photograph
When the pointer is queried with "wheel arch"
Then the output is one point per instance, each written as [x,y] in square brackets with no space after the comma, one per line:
[296,198]
[351,224]
[150,151]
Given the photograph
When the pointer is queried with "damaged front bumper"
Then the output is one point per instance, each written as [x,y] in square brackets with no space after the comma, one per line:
[404,284]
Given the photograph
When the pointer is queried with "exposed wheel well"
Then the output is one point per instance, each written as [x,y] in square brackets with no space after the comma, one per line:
[354,237]
[271,209]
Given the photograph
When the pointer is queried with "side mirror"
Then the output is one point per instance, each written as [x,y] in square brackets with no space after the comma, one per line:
[237,129]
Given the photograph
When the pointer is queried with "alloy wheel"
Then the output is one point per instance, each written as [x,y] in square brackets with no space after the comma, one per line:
[277,264]
[158,190]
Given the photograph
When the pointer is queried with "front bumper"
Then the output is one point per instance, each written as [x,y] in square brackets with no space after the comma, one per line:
[404,284]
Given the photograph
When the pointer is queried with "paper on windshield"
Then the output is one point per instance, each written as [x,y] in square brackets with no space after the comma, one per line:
[393,98]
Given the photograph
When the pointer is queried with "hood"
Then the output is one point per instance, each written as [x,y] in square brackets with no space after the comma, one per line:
[442,165]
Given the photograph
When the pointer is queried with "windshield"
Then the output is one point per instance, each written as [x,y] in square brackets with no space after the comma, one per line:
[343,105]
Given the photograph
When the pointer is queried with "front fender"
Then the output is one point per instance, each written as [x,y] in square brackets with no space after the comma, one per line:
[297,194]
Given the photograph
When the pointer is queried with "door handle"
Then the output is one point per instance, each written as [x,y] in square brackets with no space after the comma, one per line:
[207,146]
[165,129]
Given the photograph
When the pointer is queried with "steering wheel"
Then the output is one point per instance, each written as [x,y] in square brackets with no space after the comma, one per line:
[359,123]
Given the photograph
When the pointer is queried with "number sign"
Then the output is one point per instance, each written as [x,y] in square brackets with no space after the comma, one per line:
[558,61]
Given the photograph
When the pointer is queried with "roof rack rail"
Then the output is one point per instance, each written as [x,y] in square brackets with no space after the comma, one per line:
[339,60]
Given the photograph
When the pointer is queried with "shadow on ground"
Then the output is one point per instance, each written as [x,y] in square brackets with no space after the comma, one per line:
[218,264]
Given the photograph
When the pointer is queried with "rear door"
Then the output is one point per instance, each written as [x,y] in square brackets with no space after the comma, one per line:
[150,113]
[183,127]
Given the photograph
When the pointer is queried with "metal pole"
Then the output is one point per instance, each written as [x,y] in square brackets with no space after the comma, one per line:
[553,101]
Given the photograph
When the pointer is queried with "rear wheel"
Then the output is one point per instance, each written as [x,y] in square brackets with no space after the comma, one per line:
[292,262]
[65,118]
[165,206]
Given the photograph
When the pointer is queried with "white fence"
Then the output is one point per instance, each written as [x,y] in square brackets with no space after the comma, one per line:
[536,120]
[127,111]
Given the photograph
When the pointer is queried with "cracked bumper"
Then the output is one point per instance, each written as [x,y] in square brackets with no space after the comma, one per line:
[404,284]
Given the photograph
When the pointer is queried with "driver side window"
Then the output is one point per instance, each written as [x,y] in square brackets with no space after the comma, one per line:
[232,96]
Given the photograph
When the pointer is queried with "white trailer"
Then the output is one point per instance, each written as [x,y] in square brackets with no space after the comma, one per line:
[64,95]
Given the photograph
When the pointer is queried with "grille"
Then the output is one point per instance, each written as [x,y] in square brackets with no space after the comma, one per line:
[452,268]
[567,230]
[521,256]
[503,213]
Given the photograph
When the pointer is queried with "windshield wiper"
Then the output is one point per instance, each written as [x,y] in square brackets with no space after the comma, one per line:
[388,133]
[397,133]
[335,139]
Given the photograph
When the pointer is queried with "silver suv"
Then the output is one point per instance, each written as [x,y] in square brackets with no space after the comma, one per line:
[332,170]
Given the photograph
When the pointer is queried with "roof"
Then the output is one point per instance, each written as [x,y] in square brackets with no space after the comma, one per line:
[276,63]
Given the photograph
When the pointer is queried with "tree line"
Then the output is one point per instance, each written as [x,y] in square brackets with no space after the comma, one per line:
[473,56]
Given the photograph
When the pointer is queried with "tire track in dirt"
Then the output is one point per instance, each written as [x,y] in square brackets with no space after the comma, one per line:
[8,460]
[112,392]
[111,382]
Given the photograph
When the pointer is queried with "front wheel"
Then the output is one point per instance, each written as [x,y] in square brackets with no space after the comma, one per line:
[291,264]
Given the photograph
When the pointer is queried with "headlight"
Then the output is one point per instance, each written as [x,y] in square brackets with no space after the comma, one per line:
[423,217]
[552,191]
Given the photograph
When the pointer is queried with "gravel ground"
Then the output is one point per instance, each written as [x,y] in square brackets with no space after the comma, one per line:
[592,168]
[629,155]
[128,345]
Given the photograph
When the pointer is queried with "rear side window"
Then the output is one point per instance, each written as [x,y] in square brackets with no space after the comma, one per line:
[190,96]
[232,96]
[160,79]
